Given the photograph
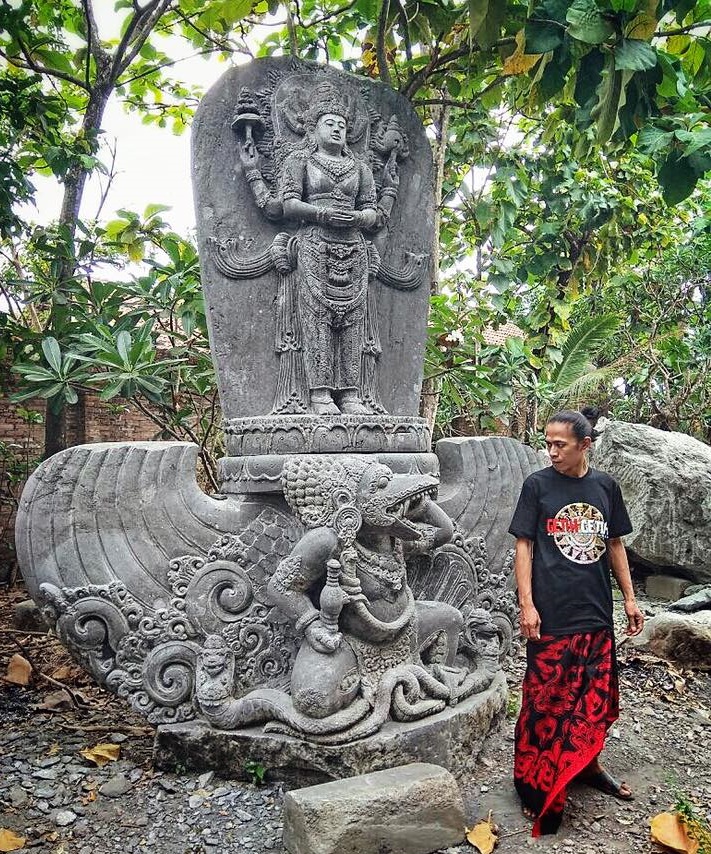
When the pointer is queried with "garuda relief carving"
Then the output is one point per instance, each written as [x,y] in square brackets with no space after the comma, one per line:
[304,620]
[316,158]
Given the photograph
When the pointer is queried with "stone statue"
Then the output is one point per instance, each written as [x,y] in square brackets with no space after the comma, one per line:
[327,331]
[323,611]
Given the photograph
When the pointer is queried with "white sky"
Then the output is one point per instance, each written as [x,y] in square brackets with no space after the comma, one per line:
[152,164]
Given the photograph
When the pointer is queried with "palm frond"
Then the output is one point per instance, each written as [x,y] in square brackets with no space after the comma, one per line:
[580,347]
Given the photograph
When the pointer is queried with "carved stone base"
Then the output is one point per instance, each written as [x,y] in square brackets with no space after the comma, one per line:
[262,474]
[326,434]
[453,739]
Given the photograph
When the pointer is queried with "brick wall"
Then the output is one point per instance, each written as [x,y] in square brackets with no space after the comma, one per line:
[89,420]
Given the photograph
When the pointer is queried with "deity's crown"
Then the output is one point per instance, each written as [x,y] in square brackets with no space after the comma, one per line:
[325,98]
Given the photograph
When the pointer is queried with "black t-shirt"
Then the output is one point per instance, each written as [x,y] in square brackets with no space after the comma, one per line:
[570,520]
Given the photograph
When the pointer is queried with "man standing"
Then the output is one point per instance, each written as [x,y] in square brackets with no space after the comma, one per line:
[568,526]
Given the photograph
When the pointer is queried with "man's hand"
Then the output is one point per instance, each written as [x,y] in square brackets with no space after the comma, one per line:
[530,622]
[635,618]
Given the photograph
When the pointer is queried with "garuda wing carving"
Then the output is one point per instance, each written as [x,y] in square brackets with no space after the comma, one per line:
[136,566]
[94,514]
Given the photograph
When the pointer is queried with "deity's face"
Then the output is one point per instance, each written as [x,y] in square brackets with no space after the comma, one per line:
[330,131]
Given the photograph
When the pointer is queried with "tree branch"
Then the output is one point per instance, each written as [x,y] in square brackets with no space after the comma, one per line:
[136,34]
[31,65]
[380,50]
[682,30]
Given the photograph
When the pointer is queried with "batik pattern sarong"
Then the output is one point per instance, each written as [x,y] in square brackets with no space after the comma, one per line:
[570,699]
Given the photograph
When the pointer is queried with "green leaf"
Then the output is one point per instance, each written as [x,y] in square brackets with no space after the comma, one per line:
[543,36]
[651,140]
[123,345]
[695,140]
[70,394]
[678,179]
[610,99]
[635,55]
[580,347]
[52,353]
[587,24]
[153,209]
[478,10]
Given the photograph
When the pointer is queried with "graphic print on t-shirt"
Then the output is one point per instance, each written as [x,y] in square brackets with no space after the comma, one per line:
[579,530]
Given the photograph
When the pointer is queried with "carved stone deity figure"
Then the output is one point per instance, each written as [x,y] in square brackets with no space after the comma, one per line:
[327,305]
[321,156]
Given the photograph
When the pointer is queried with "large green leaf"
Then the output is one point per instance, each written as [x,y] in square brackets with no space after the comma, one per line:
[678,179]
[586,22]
[52,353]
[477,14]
[580,347]
[610,99]
[634,55]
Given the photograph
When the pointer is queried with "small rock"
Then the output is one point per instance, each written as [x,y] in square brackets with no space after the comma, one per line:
[205,778]
[596,826]
[118,737]
[243,815]
[167,785]
[195,801]
[27,617]
[46,773]
[64,818]
[116,786]
[18,796]
[483,788]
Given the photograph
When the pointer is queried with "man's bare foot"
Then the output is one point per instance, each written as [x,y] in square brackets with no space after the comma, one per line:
[595,776]
[528,812]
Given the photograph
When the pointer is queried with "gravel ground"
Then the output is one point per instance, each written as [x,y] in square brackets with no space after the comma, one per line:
[61,802]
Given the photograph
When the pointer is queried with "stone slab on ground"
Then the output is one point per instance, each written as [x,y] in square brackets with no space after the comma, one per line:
[698,600]
[410,809]
[452,739]
[667,587]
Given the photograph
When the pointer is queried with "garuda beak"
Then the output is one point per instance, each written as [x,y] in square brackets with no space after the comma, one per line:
[405,500]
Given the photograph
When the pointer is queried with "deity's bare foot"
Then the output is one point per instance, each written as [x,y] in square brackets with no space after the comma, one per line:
[351,404]
[322,402]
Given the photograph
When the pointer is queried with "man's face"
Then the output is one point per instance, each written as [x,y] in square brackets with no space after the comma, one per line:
[565,449]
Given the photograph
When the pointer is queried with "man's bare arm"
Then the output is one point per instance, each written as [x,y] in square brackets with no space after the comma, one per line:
[523,567]
[621,570]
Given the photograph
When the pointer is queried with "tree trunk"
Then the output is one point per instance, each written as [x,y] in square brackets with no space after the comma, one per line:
[55,428]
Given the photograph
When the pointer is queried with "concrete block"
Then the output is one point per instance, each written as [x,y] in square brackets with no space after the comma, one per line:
[410,809]
[667,587]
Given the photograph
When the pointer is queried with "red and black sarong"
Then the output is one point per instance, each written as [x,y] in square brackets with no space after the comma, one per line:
[570,699]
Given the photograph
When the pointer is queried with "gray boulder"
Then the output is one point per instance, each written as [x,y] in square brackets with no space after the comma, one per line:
[666,482]
[684,639]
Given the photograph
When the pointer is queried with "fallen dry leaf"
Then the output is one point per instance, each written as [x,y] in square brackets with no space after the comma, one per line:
[19,670]
[53,749]
[9,841]
[101,754]
[89,797]
[55,700]
[482,836]
[670,832]
[63,672]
